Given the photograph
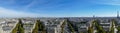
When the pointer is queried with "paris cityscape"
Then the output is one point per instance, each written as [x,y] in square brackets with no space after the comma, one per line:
[59,16]
[61,25]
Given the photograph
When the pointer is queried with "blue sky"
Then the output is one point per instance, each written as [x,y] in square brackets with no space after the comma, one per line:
[59,8]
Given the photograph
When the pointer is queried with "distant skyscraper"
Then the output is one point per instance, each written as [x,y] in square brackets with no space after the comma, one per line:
[94,17]
[117,14]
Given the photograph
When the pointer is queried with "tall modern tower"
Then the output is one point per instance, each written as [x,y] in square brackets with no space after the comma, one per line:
[117,14]
[93,17]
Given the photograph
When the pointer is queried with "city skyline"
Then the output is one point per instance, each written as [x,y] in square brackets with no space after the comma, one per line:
[59,8]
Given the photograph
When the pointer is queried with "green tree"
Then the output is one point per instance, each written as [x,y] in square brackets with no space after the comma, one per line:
[19,27]
[39,27]
[90,29]
[118,28]
[98,27]
[16,28]
[62,26]
[112,27]
[35,30]
[70,26]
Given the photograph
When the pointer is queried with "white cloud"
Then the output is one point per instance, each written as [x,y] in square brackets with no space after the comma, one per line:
[31,4]
[13,13]
[107,2]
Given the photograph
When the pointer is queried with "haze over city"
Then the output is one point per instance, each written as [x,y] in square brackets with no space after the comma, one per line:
[59,8]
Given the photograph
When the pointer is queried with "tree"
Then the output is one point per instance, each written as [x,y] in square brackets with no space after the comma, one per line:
[90,29]
[118,28]
[62,26]
[98,27]
[70,26]
[112,27]
[39,27]
[16,28]
[35,30]
[19,27]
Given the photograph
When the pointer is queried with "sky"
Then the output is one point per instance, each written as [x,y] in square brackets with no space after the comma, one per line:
[59,8]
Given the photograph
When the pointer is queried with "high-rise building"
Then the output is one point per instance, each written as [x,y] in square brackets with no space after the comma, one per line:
[117,14]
